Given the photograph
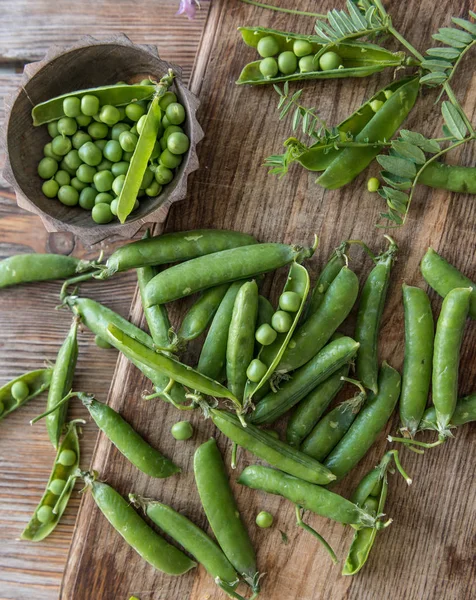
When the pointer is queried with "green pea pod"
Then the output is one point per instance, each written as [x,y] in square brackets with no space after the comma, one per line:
[311,497]
[444,277]
[172,247]
[173,369]
[297,282]
[330,359]
[449,177]
[213,355]
[195,541]
[310,337]
[61,382]
[221,267]
[117,95]
[359,59]
[201,312]
[419,334]
[382,126]
[156,316]
[308,412]
[32,383]
[149,545]
[335,263]
[265,446]
[58,489]
[465,412]
[368,424]
[332,427]
[222,513]
[369,316]
[265,311]
[448,338]
[26,268]
[241,337]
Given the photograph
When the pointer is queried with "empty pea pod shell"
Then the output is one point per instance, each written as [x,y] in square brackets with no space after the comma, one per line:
[465,412]
[44,519]
[117,95]
[36,381]
[359,59]
[25,268]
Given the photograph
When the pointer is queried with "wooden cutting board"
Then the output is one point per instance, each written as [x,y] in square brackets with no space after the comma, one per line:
[428,552]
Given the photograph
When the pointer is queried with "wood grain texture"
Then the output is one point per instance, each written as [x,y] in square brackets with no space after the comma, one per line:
[428,552]
[32,331]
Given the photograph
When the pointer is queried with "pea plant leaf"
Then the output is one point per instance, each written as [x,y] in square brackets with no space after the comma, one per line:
[454,120]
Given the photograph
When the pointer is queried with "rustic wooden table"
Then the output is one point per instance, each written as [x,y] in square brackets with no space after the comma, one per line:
[428,553]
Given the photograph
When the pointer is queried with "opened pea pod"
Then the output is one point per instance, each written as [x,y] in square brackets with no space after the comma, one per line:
[292,56]
[17,392]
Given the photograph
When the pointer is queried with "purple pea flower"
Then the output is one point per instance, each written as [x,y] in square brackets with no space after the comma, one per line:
[188,7]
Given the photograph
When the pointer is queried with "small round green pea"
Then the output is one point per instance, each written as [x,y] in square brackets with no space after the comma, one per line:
[67,126]
[330,61]
[281,321]
[162,144]
[101,144]
[163,175]
[146,82]
[264,519]
[134,111]
[64,167]
[141,123]
[73,160]
[68,195]
[268,67]
[80,138]
[103,181]
[171,129]
[83,120]
[165,122]
[104,165]
[169,160]
[104,197]
[134,129]
[96,118]
[113,206]
[57,486]
[87,197]
[373,184]
[117,184]
[376,105]
[19,391]
[102,343]
[72,107]
[388,94]
[120,168]
[175,113]
[127,156]
[167,99]
[62,178]
[267,46]
[307,64]
[128,141]
[50,188]
[302,48]
[256,370]
[153,189]
[265,334]
[121,83]
[113,151]
[156,150]
[146,179]
[182,430]
[290,301]
[89,105]
[98,131]
[90,154]
[61,145]
[45,514]
[109,115]
[85,173]
[178,143]
[67,458]
[102,214]
[117,129]
[48,151]
[53,129]
[47,167]
[78,185]
[287,62]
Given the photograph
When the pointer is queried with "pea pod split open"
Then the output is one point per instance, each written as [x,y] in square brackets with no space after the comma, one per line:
[358,59]
[465,412]
[31,384]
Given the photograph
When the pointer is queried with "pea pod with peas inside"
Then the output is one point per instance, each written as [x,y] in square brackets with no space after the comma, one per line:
[336,262]
[149,545]
[221,267]
[453,178]
[58,489]
[20,390]
[354,59]
[200,313]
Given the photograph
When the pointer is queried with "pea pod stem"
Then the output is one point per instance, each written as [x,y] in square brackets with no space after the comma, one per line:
[309,529]
[289,11]
[409,442]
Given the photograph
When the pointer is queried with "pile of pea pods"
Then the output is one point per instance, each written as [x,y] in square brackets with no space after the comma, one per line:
[257,364]
[111,146]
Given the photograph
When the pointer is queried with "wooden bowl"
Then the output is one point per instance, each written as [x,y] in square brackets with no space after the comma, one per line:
[88,63]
